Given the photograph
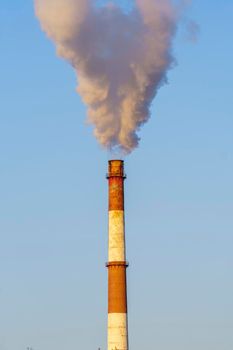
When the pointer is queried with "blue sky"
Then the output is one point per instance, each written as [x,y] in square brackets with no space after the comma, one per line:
[53,198]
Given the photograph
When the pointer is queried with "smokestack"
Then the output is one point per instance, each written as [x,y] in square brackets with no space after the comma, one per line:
[117,285]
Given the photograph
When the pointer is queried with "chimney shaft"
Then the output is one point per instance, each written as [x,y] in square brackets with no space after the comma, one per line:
[117,284]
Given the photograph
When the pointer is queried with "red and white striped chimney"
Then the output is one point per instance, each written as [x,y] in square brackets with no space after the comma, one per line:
[117,284]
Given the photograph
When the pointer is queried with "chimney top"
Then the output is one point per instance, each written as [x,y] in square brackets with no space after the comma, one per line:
[116,168]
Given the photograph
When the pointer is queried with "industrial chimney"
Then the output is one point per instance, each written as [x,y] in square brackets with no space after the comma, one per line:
[117,265]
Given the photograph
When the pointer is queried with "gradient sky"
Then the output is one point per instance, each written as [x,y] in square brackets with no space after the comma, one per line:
[53,198]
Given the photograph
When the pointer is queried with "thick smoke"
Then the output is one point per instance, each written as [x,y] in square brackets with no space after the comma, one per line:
[121,59]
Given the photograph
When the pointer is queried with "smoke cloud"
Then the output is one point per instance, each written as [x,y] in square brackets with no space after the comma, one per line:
[121,59]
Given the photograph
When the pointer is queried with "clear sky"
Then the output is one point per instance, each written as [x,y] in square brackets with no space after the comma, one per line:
[53,198]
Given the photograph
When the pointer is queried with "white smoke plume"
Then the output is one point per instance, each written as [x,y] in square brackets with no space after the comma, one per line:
[121,59]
